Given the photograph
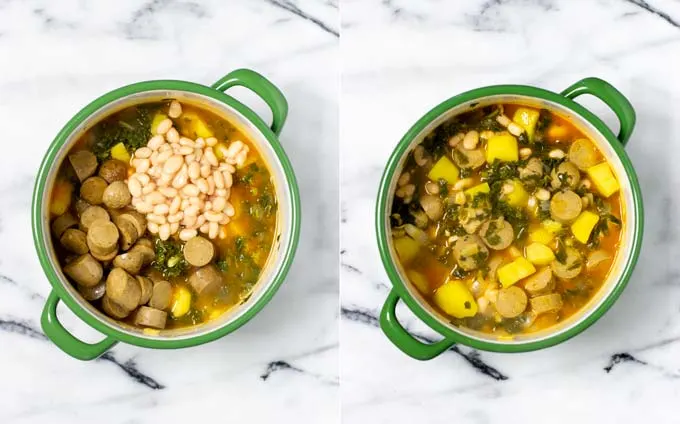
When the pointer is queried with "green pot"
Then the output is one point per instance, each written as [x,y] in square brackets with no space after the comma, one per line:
[613,148]
[288,227]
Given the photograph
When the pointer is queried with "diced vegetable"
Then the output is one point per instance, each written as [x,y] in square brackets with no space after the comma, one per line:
[518,197]
[604,179]
[511,273]
[196,127]
[502,147]
[539,254]
[454,298]
[480,188]
[61,197]
[419,281]
[119,151]
[406,248]
[552,226]
[219,149]
[526,118]
[541,235]
[445,169]
[557,131]
[514,252]
[157,119]
[181,302]
[583,226]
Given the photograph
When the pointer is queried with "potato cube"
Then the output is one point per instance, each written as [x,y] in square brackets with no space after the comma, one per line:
[511,273]
[518,197]
[194,126]
[406,248]
[583,226]
[541,235]
[604,179]
[552,226]
[419,280]
[526,118]
[539,254]
[61,197]
[454,298]
[157,119]
[480,188]
[119,152]
[502,147]
[181,302]
[445,169]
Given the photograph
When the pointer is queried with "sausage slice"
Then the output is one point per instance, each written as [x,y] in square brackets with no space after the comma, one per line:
[199,251]
[433,206]
[150,317]
[85,270]
[113,170]
[123,289]
[161,295]
[136,219]
[92,190]
[105,258]
[63,223]
[583,154]
[565,206]
[147,253]
[541,282]
[571,267]
[102,237]
[93,293]
[206,280]
[113,309]
[116,195]
[92,214]
[469,158]
[546,303]
[75,241]
[497,233]
[130,261]
[566,175]
[533,169]
[469,252]
[80,206]
[511,302]
[146,285]
[128,233]
[84,163]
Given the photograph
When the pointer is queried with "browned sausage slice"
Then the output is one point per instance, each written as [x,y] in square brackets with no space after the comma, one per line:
[541,282]
[497,233]
[161,296]
[113,170]
[123,289]
[102,237]
[565,206]
[147,253]
[85,270]
[75,241]
[92,214]
[63,223]
[93,293]
[583,154]
[511,302]
[470,253]
[533,169]
[566,175]
[146,285]
[145,241]
[117,195]
[84,163]
[571,267]
[150,317]
[433,206]
[105,259]
[136,219]
[92,190]
[199,251]
[206,280]
[546,303]
[128,234]
[130,261]
[469,158]
[80,206]
[113,309]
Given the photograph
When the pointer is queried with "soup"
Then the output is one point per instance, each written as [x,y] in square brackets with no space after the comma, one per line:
[506,226]
[163,215]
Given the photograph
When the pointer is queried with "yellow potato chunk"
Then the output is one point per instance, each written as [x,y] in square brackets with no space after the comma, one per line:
[196,126]
[157,119]
[406,248]
[604,179]
[181,302]
[454,298]
[526,118]
[552,226]
[541,235]
[445,169]
[61,197]
[502,147]
[518,197]
[480,188]
[539,254]
[419,280]
[119,152]
[583,226]
[511,273]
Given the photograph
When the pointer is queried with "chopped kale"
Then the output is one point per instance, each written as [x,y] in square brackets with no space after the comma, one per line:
[133,129]
[169,258]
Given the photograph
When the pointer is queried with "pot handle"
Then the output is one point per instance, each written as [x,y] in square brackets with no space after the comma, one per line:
[65,340]
[611,97]
[263,88]
[402,339]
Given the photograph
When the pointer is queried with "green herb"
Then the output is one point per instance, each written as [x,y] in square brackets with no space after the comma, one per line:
[561,253]
[491,235]
[460,158]
[443,187]
[465,172]
[459,272]
[517,217]
[544,210]
[575,265]
[133,131]
[480,257]
[169,258]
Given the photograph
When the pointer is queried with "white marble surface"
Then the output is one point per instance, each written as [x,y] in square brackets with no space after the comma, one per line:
[58,56]
[402,57]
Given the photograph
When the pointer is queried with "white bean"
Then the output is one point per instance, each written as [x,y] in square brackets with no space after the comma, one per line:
[135,187]
[155,142]
[152,227]
[164,180]
[180,179]
[205,171]
[176,217]
[211,185]
[175,205]
[241,159]
[185,204]
[194,170]
[218,204]
[222,192]
[143,153]
[556,154]
[148,188]
[210,156]
[211,141]
[168,191]
[200,142]
[164,126]
[191,210]
[222,149]
[173,165]
[213,228]
[164,232]
[144,207]
[200,220]
[470,140]
[186,234]
[229,210]
[195,201]
[225,220]
[204,228]
[174,227]
[172,135]
[155,198]
[186,141]
[175,109]
[189,220]
[189,159]
[190,190]
[156,219]
[515,129]
[199,154]
[185,151]
[164,156]
[542,194]
[141,165]
[234,148]
[503,120]
[223,232]
[161,209]
[202,185]
[228,179]
[219,179]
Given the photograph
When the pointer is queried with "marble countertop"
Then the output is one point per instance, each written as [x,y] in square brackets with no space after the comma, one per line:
[402,57]
[56,58]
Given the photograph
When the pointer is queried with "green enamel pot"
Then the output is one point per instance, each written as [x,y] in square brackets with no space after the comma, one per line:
[265,139]
[611,145]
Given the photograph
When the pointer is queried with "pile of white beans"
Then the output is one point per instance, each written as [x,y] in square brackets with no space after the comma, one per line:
[180,185]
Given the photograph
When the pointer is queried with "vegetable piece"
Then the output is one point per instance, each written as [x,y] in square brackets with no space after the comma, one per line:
[156,121]
[502,147]
[541,235]
[169,258]
[445,169]
[406,248]
[511,273]
[480,188]
[132,131]
[526,118]
[193,126]
[518,197]
[61,197]
[603,178]
[454,298]
[419,280]
[511,302]
[181,302]
[539,254]
[120,153]
[557,131]
[552,226]
[583,226]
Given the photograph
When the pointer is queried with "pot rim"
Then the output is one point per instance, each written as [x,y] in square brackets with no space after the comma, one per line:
[635,211]
[292,225]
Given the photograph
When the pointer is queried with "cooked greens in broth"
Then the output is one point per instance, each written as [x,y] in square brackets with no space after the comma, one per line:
[507,219]
[163,215]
